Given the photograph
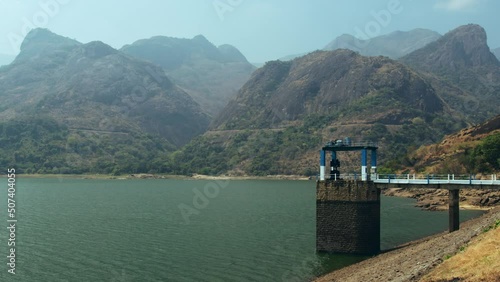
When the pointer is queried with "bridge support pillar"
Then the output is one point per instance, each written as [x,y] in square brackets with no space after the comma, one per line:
[454,210]
[347,217]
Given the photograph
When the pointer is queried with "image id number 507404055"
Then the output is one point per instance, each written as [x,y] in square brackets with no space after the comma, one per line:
[11,221]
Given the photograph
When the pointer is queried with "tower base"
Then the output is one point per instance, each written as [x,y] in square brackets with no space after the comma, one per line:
[347,217]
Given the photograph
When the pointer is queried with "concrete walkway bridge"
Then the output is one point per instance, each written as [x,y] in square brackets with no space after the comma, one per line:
[348,205]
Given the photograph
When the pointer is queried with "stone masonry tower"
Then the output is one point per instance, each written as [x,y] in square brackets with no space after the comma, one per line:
[347,206]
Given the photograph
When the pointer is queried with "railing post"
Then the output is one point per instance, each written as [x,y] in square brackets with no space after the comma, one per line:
[414,176]
[428,180]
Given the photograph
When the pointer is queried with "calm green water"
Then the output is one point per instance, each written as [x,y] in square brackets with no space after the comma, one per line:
[134,230]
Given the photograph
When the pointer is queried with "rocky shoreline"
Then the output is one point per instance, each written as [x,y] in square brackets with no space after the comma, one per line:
[437,199]
[166,176]
[411,261]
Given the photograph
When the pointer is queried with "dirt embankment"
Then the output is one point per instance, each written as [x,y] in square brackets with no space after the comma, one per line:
[412,261]
[478,261]
[437,199]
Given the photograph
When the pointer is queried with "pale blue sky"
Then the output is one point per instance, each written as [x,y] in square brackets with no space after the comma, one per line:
[262,29]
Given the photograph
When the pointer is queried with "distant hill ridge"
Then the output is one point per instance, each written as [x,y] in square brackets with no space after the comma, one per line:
[393,45]
[171,52]
[211,75]
[99,103]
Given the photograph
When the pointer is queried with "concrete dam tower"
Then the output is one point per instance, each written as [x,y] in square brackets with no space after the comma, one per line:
[347,206]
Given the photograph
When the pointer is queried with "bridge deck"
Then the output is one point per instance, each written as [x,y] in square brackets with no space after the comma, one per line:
[449,181]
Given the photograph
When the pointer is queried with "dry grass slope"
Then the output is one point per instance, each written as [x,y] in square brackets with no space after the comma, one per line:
[480,261]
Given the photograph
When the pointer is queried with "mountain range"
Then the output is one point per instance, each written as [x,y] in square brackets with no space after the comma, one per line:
[211,75]
[288,110]
[97,98]
[70,107]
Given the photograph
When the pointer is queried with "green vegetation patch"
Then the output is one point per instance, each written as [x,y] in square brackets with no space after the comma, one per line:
[42,145]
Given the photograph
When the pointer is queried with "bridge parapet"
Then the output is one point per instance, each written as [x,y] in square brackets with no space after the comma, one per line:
[449,181]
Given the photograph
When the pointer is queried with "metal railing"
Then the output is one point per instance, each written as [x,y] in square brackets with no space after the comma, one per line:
[420,179]
[424,179]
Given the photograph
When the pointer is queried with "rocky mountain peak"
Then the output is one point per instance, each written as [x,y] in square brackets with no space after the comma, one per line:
[469,43]
[201,39]
[97,49]
[345,41]
[231,53]
[210,74]
[41,43]
[465,46]
[41,37]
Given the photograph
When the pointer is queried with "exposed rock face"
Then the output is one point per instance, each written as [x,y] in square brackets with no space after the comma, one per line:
[324,82]
[463,59]
[462,47]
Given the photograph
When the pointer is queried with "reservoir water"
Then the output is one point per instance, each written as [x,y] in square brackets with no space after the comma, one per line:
[151,230]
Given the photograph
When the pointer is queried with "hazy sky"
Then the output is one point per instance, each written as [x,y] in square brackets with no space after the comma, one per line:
[262,29]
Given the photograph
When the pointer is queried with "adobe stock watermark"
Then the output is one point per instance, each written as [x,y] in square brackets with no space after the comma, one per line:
[48,9]
[225,6]
[380,20]
[201,199]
